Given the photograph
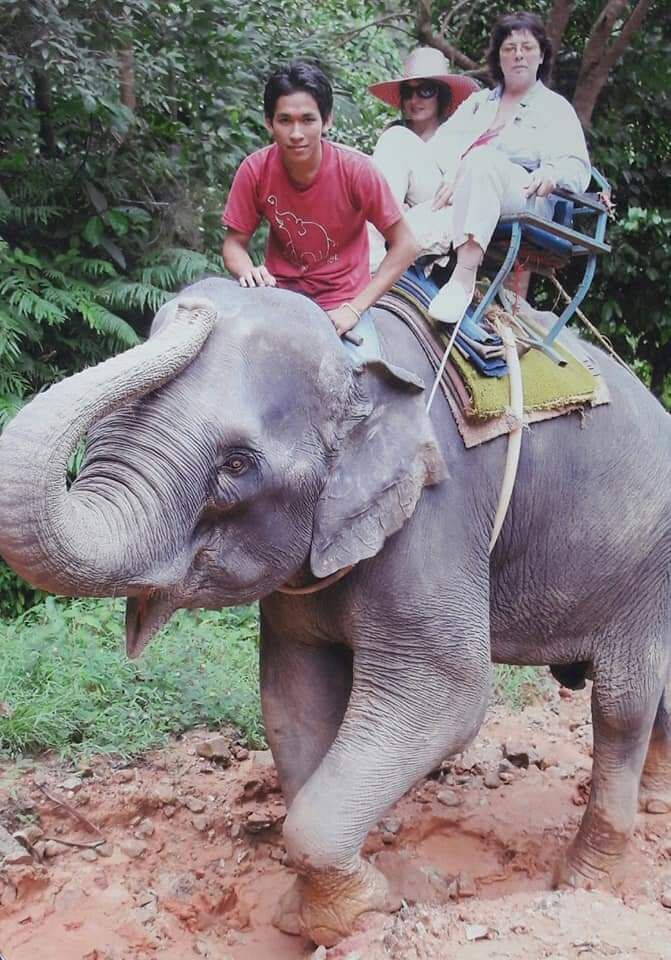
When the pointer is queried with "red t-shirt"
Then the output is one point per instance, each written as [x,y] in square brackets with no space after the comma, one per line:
[318,242]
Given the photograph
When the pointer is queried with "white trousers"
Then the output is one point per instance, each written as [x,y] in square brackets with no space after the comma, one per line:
[488,186]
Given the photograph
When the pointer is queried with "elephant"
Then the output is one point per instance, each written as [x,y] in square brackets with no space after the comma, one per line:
[242,453]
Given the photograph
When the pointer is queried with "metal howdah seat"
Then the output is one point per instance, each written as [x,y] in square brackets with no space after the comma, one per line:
[577,229]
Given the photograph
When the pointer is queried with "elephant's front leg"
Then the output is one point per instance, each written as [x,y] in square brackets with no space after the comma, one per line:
[413,702]
[304,693]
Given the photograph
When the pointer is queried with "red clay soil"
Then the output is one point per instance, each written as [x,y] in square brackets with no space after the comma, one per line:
[192,860]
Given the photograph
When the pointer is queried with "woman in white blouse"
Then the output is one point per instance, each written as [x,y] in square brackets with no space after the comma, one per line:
[426,94]
[487,148]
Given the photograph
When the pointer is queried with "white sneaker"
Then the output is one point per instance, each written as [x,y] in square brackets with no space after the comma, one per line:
[451,302]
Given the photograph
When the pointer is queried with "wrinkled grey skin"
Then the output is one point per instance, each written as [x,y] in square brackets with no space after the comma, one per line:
[224,464]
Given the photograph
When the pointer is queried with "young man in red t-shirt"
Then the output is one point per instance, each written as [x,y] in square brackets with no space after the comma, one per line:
[317,197]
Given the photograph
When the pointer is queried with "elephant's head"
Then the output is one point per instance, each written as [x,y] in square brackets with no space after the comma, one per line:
[238,447]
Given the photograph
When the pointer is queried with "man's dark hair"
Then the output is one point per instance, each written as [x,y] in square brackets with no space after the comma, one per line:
[502,29]
[295,77]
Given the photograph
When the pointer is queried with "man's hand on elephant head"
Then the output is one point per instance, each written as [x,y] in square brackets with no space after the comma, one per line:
[343,318]
[257,277]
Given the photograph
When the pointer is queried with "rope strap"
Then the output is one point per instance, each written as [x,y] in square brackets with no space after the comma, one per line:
[604,341]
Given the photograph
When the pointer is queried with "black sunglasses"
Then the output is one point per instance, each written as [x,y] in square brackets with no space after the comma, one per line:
[425,89]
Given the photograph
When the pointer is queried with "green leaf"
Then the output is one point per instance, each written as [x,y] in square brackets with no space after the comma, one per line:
[89,103]
[94,231]
[26,259]
[96,197]
[114,251]
[104,321]
[117,221]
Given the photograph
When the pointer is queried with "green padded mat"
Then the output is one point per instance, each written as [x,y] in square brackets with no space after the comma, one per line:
[546,385]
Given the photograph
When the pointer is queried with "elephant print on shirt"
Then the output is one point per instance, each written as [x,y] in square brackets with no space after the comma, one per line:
[306,243]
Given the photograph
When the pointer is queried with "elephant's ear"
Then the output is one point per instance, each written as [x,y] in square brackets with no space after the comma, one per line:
[385,455]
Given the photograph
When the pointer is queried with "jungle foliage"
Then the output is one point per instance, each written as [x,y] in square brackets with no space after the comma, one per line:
[121,125]
[123,121]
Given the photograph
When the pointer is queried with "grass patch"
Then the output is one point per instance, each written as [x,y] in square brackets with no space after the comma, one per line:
[518,687]
[67,685]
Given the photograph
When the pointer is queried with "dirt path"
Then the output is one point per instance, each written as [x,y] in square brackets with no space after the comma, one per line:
[192,860]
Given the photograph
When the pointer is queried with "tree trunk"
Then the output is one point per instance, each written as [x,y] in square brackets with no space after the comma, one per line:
[172,94]
[600,55]
[426,35]
[43,104]
[127,79]
[558,20]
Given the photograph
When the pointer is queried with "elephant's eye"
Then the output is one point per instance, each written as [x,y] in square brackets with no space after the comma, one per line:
[235,465]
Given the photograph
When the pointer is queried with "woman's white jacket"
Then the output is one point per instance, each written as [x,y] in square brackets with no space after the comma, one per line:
[544,132]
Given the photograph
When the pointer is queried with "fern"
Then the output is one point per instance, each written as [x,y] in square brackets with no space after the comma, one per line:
[12,393]
[27,302]
[103,321]
[27,216]
[188,265]
[126,295]
[94,269]
[65,299]
[161,275]
[11,333]
[54,318]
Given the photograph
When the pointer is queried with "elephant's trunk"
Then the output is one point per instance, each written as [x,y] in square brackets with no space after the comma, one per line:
[60,540]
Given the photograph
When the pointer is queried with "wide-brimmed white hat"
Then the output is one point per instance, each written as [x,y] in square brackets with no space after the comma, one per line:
[425,63]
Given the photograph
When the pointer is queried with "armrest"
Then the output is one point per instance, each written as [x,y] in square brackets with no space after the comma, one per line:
[583,204]
[590,200]
[581,243]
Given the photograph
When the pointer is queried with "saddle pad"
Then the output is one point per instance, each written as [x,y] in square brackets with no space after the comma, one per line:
[484,350]
[546,384]
[475,428]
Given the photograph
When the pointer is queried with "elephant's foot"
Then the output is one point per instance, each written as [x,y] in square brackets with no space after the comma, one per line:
[654,794]
[325,906]
[654,798]
[584,867]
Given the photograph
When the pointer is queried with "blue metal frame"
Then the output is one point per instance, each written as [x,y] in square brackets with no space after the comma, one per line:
[504,270]
[581,244]
[590,266]
[578,298]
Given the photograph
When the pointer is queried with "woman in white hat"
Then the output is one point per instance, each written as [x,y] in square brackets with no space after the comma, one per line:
[426,94]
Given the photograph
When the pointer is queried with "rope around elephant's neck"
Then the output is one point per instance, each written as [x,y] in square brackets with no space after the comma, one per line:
[318,585]
[502,321]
